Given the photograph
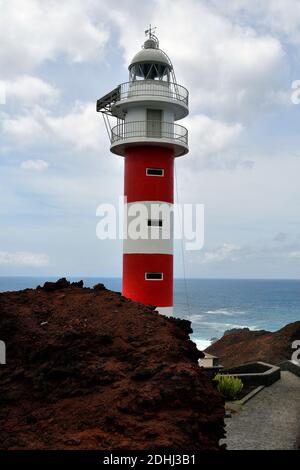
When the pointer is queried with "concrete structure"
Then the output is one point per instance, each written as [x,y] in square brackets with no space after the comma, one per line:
[147,108]
[291,366]
[255,373]
[209,361]
[270,420]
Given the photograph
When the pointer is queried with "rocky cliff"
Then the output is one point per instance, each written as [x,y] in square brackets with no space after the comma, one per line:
[240,346]
[87,368]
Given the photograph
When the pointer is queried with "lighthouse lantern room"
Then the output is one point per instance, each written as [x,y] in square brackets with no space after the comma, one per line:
[147,135]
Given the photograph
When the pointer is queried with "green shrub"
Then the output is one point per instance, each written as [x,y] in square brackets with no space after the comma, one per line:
[229,386]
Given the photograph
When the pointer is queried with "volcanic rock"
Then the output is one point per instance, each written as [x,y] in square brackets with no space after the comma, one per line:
[241,346]
[52,286]
[89,369]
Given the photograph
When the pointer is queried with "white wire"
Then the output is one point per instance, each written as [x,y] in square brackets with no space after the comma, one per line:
[182,247]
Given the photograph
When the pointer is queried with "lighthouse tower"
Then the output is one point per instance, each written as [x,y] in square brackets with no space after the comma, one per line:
[147,135]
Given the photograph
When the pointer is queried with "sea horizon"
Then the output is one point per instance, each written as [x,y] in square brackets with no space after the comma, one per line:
[73,276]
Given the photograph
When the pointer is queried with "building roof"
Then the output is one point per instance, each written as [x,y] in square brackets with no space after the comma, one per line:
[209,356]
[150,55]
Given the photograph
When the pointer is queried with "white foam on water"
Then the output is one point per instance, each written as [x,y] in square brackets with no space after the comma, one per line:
[225,311]
[196,318]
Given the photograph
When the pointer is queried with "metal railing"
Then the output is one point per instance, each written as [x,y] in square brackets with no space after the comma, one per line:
[154,88]
[149,129]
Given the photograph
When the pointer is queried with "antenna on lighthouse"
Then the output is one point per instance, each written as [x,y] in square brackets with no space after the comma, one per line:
[152,38]
[150,31]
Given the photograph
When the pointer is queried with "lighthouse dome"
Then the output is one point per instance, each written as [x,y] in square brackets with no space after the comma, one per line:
[150,55]
[150,63]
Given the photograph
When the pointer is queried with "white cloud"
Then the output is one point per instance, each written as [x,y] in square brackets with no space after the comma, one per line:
[28,90]
[277,16]
[210,136]
[34,165]
[25,129]
[294,254]
[23,258]
[278,248]
[35,31]
[80,129]
[2,93]
[225,252]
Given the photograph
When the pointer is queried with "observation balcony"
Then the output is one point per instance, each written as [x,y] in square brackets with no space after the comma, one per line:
[156,133]
[151,93]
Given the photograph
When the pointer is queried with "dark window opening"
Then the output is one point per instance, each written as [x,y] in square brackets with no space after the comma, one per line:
[155,172]
[150,71]
[154,276]
[155,223]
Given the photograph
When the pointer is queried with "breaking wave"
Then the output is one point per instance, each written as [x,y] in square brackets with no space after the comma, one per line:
[224,311]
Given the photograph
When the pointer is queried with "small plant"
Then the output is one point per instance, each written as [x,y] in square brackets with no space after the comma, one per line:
[229,386]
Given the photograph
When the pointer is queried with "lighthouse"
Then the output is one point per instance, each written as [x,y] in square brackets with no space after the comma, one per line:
[147,135]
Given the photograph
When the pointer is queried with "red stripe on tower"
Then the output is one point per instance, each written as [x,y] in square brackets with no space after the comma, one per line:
[137,287]
[146,135]
[142,184]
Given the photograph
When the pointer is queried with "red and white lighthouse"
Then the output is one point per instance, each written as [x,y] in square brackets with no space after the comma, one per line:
[147,107]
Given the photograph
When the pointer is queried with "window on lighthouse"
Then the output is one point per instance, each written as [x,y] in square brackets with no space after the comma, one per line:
[154,276]
[150,71]
[155,172]
[155,223]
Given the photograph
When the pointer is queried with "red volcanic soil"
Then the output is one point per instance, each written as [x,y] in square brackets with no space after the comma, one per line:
[241,346]
[90,369]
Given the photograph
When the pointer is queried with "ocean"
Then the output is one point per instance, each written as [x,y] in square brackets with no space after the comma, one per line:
[212,305]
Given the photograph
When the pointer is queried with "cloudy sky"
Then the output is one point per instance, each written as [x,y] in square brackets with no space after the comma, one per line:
[238,59]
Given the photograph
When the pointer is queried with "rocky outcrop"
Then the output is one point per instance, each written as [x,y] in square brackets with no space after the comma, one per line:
[90,369]
[240,346]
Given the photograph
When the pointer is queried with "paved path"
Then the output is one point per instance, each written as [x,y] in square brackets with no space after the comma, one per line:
[270,420]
